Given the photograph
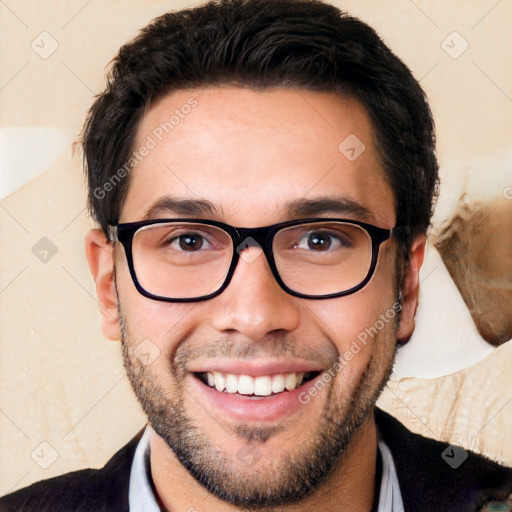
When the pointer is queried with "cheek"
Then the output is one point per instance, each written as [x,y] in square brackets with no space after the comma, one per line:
[354,323]
[347,318]
[152,324]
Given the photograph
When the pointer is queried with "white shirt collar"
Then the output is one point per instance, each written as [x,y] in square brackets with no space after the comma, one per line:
[142,499]
[140,494]
[390,497]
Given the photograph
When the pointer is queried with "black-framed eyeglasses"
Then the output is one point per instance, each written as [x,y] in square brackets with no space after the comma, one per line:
[189,260]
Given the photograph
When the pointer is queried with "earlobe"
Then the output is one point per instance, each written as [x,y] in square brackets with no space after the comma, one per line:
[410,290]
[100,256]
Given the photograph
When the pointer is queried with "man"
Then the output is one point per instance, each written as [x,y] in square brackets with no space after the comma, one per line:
[263,174]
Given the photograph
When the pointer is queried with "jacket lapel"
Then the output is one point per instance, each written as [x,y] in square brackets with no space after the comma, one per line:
[116,476]
[429,484]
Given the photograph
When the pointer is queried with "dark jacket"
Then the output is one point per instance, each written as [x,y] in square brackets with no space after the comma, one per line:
[427,482]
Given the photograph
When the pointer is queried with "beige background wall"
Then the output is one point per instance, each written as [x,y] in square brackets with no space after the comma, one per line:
[62,384]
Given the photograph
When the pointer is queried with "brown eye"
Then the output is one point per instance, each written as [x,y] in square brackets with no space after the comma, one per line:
[322,241]
[319,241]
[190,242]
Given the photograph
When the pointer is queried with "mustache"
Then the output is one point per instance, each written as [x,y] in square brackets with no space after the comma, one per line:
[272,346]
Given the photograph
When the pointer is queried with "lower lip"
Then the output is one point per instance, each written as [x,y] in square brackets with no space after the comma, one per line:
[247,408]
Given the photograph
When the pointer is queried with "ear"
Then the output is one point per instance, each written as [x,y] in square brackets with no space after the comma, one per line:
[410,289]
[100,255]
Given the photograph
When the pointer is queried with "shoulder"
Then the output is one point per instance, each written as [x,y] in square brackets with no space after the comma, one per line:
[86,490]
[76,491]
[442,476]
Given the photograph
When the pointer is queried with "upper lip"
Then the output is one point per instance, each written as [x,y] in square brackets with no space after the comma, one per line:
[256,367]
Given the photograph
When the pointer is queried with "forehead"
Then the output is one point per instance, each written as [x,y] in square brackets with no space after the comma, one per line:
[248,154]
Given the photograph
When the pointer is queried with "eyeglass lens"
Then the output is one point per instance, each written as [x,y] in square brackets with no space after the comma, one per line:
[189,260]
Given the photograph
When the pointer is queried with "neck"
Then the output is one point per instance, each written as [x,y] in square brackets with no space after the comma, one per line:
[350,487]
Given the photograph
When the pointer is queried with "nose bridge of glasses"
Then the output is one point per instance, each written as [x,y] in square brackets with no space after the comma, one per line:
[254,237]
[259,235]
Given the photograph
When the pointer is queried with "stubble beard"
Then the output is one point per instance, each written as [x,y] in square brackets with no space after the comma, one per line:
[270,483]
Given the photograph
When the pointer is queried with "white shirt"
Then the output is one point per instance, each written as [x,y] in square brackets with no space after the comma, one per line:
[142,499]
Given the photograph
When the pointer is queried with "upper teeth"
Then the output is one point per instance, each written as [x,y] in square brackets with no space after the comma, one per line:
[263,385]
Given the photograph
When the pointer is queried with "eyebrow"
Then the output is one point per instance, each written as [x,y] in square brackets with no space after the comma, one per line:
[324,205]
[182,207]
[296,209]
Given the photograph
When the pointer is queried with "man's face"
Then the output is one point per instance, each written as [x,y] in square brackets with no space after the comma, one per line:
[250,153]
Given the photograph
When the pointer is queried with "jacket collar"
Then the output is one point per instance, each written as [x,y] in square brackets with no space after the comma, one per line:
[428,483]
[117,475]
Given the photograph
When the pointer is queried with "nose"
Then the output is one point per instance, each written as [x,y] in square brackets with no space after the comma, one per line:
[254,304]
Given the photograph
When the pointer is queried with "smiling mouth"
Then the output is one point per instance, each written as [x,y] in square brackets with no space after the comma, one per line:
[260,386]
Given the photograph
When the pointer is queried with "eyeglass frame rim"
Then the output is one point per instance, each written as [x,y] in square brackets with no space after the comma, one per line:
[125,232]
